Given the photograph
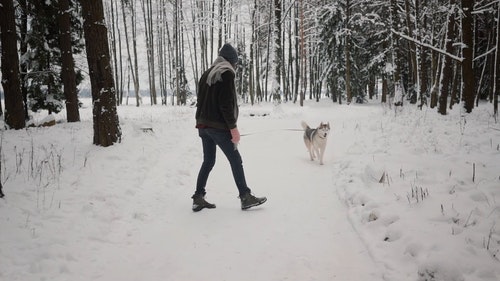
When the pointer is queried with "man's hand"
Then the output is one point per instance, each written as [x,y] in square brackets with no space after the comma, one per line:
[235,135]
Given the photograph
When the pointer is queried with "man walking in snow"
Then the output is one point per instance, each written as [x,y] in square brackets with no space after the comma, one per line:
[216,118]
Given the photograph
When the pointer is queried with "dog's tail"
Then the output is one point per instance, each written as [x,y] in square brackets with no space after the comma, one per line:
[304,125]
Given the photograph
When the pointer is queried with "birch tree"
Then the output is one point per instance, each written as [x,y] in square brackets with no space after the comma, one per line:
[278,50]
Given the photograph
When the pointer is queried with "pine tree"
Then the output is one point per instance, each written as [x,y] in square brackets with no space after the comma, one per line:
[14,111]
[70,77]
[45,73]
[352,45]
[106,125]
[43,80]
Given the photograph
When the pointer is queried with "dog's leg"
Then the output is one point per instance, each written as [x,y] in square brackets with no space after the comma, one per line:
[311,151]
[321,153]
[309,148]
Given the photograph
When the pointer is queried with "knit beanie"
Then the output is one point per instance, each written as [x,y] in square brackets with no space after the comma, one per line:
[229,53]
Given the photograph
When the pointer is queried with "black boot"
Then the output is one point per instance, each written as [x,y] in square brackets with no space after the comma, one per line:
[199,203]
[249,201]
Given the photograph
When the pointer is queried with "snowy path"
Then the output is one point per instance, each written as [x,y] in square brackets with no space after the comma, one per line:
[301,233]
[74,211]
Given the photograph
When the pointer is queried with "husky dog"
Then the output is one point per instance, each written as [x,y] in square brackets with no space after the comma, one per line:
[315,140]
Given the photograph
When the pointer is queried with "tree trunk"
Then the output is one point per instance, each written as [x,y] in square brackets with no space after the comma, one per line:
[385,90]
[447,68]
[371,85]
[424,64]
[288,71]
[120,86]
[106,124]
[347,54]
[177,51]
[258,86]
[132,64]
[278,51]
[496,76]
[129,69]
[68,74]
[455,86]
[303,56]
[14,110]
[468,89]
[221,23]
[268,51]
[152,87]
[149,34]
[138,97]
[114,36]
[411,44]
[395,45]
[169,57]
[297,55]
[195,62]
[23,45]
[252,77]
[436,74]
[161,51]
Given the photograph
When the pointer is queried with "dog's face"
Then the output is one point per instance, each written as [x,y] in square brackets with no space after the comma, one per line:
[324,129]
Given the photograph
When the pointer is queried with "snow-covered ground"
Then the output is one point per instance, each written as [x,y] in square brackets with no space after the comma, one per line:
[397,198]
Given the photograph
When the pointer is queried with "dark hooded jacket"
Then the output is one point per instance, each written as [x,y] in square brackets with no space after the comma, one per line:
[217,105]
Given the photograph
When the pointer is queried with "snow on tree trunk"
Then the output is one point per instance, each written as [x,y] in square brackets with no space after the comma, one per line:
[468,88]
[278,55]
[106,125]
[447,67]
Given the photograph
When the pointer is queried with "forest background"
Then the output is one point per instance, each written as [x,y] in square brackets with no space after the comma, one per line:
[429,55]
[425,52]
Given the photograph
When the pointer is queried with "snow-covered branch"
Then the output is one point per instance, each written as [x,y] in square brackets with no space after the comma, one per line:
[427,45]
[492,50]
